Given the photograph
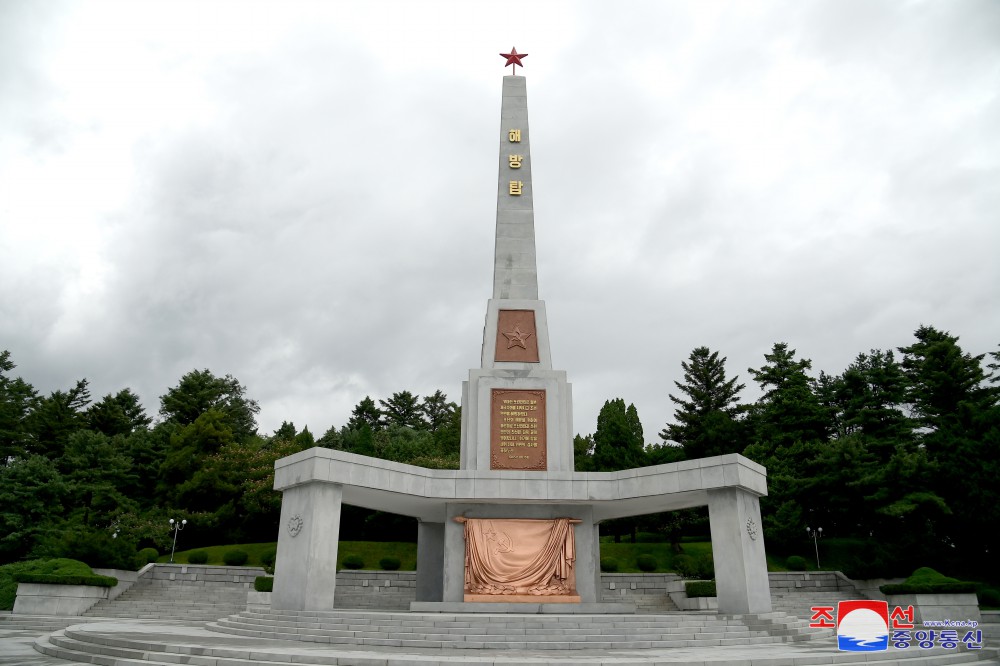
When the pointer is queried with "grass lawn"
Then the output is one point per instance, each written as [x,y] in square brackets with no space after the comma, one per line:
[369,551]
[625,553]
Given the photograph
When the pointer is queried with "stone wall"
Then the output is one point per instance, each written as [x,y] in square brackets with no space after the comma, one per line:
[201,574]
[383,590]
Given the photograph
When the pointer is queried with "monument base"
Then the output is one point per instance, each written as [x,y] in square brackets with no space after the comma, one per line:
[613,608]
[522,598]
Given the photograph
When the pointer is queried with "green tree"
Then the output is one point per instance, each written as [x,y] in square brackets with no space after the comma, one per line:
[583,453]
[789,427]
[32,496]
[18,400]
[706,415]
[365,413]
[119,414]
[960,431]
[200,391]
[789,410]
[437,411]
[57,417]
[185,481]
[618,440]
[402,409]
[96,470]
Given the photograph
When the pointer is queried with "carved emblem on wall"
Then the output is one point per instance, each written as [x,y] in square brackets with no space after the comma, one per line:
[517,337]
[295,524]
[752,528]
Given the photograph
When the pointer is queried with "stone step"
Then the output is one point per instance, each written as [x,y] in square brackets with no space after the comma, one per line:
[534,632]
[88,646]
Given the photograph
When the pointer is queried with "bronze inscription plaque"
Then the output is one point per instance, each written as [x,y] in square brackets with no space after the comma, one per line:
[517,429]
[517,340]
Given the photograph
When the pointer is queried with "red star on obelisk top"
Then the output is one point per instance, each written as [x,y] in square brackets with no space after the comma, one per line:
[514,59]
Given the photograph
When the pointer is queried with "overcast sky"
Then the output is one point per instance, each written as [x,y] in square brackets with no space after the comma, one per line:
[303,194]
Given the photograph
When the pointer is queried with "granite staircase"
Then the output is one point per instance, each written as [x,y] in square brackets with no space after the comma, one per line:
[190,593]
[795,593]
[157,600]
[465,631]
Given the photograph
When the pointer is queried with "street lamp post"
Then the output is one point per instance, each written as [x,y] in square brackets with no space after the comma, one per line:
[176,527]
[815,534]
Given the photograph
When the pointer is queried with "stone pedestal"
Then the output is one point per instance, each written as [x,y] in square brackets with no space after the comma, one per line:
[306,562]
[738,551]
[430,561]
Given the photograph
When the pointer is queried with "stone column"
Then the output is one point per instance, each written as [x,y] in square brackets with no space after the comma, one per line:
[430,561]
[305,575]
[738,550]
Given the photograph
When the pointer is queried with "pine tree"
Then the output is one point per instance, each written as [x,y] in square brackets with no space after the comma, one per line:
[706,422]
[618,441]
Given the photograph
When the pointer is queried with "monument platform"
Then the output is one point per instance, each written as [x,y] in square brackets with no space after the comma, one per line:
[136,643]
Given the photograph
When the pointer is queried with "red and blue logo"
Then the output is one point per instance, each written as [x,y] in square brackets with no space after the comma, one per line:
[863,626]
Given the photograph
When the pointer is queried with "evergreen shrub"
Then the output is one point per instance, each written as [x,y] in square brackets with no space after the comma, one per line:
[268,556]
[609,564]
[796,563]
[94,548]
[198,557]
[686,566]
[928,581]
[989,596]
[389,563]
[146,556]
[353,562]
[263,583]
[700,588]
[235,557]
[646,563]
[56,579]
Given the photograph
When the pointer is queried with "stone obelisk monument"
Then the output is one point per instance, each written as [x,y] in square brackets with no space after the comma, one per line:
[515,527]
[516,410]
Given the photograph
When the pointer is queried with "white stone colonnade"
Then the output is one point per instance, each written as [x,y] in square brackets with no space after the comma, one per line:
[316,482]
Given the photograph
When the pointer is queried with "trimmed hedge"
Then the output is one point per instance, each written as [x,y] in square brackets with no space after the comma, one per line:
[796,563]
[646,563]
[700,588]
[609,564]
[56,579]
[929,588]
[928,581]
[198,557]
[146,556]
[353,562]
[390,563]
[235,557]
[263,583]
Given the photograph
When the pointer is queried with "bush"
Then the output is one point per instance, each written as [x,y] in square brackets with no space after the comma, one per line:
[268,556]
[389,563]
[235,557]
[609,564]
[700,588]
[94,548]
[198,556]
[8,586]
[56,579]
[646,563]
[796,563]
[353,562]
[706,566]
[928,581]
[686,566]
[989,596]
[146,556]
[263,583]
